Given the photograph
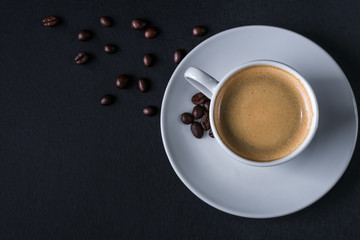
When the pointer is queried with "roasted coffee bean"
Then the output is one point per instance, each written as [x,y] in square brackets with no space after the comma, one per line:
[149,111]
[150,33]
[105,21]
[199,31]
[81,58]
[143,84]
[84,35]
[138,24]
[50,21]
[205,121]
[107,100]
[198,98]
[187,118]
[198,111]
[148,59]
[211,134]
[179,55]
[197,130]
[122,81]
[110,48]
[207,105]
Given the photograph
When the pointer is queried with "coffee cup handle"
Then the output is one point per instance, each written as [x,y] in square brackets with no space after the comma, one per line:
[201,80]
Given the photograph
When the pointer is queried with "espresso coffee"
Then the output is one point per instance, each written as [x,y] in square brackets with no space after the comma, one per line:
[262,113]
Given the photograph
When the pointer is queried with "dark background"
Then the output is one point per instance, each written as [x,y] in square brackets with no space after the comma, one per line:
[73,169]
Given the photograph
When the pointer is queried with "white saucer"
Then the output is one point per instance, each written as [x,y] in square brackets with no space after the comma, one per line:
[235,188]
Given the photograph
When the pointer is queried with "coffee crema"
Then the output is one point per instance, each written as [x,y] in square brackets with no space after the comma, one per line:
[262,113]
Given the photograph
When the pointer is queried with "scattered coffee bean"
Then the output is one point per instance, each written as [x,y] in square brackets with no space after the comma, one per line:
[205,121]
[199,31]
[84,35]
[150,33]
[207,105]
[148,59]
[110,48]
[187,118]
[198,111]
[143,84]
[138,24]
[198,98]
[81,58]
[211,134]
[149,111]
[197,130]
[107,100]
[50,21]
[179,55]
[105,21]
[122,81]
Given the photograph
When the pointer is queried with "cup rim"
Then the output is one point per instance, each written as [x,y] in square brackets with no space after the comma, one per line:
[313,101]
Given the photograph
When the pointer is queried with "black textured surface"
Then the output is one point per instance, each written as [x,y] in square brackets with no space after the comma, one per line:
[73,169]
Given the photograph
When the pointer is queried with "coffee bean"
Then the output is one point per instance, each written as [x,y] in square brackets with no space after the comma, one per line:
[198,111]
[122,81]
[110,48]
[105,21]
[187,118]
[84,35]
[143,84]
[211,134]
[149,111]
[198,98]
[148,59]
[138,24]
[150,33]
[81,58]
[179,55]
[107,100]
[197,130]
[205,121]
[207,105]
[50,21]
[199,31]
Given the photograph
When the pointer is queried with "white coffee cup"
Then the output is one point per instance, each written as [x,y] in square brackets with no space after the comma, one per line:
[210,87]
